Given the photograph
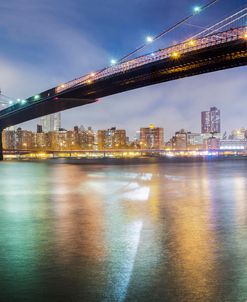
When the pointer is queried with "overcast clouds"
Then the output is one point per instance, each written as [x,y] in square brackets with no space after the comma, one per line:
[44,43]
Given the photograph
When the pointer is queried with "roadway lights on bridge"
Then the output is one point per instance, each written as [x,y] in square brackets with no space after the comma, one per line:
[10,102]
[113,62]
[192,42]
[37,97]
[175,55]
[92,74]
[149,39]
[245,35]
[89,81]
[18,100]
[197,9]
[23,102]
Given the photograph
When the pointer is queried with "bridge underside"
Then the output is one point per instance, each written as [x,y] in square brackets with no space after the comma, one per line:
[218,57]
[49,106]
[223,56]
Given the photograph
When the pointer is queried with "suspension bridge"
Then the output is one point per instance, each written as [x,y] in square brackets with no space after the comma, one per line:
[218,47]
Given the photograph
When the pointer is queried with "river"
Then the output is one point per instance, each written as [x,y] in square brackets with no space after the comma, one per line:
[173,232]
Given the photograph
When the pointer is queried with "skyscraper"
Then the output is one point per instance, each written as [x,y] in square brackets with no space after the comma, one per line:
[210,121]
[205,122]
[51,122]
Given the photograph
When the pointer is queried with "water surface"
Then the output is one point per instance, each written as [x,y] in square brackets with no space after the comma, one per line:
[157,232]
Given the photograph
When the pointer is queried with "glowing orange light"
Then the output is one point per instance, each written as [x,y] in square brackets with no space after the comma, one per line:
[89,81]
[245,36]
[175,54]
[192,43]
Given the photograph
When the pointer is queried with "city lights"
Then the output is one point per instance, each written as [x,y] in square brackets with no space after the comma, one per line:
[23,102]
[175,55]
[192,42]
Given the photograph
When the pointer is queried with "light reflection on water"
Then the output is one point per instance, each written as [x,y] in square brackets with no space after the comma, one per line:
[158,232]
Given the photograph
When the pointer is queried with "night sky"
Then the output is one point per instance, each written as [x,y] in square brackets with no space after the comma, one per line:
[45,43]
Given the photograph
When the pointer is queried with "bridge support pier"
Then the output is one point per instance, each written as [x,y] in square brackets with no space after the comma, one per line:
[1,144]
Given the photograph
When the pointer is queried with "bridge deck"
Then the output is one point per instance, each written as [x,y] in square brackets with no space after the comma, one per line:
[225,51]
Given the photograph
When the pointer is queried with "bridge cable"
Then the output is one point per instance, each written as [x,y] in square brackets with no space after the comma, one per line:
[166,31]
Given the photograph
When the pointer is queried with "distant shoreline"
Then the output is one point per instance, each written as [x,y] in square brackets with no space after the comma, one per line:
[133,160]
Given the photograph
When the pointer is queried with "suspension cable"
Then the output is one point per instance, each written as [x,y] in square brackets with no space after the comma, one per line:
[168,30]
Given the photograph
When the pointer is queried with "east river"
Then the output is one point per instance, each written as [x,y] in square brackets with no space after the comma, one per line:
[148,232]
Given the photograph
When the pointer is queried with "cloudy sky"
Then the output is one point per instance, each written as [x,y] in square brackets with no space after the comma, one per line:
[48,42]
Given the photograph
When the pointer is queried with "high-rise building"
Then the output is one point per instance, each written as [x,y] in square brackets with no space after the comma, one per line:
[210,121]
[152,137]
[51,122]
[180,140]
[111,138]
[9,139]
[23,139]
[205,122]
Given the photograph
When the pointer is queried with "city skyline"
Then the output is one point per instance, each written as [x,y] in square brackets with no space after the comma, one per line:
[35,67]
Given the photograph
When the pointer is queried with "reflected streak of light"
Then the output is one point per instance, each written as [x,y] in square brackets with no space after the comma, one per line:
[123,276]
[138,194]
[240,195]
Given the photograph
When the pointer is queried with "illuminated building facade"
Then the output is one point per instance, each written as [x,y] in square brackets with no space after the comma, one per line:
[212,143]
[210,121]
[179,141]
[240,134]
[152,137]
[112,138]
[23,139]
[51,122]
[194,141]
[233,144]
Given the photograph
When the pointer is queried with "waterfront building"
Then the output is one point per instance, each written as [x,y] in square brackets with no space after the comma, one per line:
[194,141]
[112,138]
[240,134]
[179,141]
[57,140]
[212,143]
[152,137]
[233,144]
[9,139]
[23,139]
[210,121]
[39,140]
